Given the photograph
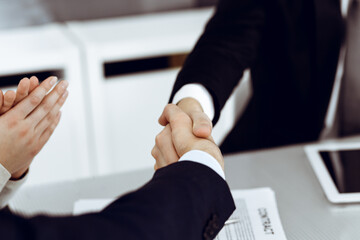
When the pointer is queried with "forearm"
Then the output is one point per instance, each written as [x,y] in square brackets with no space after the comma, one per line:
[188,195]
[227,47]
[177,203]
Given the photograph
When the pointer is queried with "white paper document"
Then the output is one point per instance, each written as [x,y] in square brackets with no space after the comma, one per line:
[256,216]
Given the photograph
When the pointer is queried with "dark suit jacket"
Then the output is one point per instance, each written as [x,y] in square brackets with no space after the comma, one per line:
[183,201]
[291,47]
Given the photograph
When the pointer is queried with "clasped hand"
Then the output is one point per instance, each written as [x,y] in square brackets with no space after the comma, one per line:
[27,126]
[177,138]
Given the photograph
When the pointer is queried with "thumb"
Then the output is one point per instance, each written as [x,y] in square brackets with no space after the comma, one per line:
[201,124]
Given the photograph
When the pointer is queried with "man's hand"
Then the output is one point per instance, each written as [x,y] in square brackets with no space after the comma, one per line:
[164,150]
[177,138]
[26,128]
[202,125]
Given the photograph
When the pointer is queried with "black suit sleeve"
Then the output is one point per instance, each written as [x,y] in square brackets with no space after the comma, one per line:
[185,200]
[227,47]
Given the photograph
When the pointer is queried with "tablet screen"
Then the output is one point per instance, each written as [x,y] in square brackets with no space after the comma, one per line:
[344,168]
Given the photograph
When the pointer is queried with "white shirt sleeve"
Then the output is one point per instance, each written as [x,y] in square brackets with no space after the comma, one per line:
[200,93]
[344,7]
[205,159]
[8,187]
[4,177]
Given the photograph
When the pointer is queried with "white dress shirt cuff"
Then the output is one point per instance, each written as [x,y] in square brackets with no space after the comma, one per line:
[4,177]
[205,159]
[200,93]
[8,187]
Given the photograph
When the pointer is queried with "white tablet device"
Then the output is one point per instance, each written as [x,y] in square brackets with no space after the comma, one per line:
[337,166]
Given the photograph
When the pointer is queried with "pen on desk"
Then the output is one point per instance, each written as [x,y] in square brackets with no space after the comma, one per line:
[232,221]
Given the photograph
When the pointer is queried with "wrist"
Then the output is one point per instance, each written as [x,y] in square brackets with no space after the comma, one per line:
[19,174]
[189,104]
[204,158]
[208,147]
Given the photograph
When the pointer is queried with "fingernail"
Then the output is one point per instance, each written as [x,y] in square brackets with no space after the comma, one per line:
[66,93]
[65,84]
[53,81]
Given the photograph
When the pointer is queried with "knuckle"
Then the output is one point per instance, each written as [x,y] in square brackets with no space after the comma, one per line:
[36,99]
[57,120]
[169,107]
[12,122]
[158,139]
[23,131]
[59,90]
[61,101]
[47,106]
[53,126]
[154,152]
[35,151]
[30,142]
[49,117]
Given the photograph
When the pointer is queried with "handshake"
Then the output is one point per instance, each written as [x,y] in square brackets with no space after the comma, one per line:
[186,128]
[29,117]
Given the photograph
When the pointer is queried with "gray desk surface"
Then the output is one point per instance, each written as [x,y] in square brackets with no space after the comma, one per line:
[304,209]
